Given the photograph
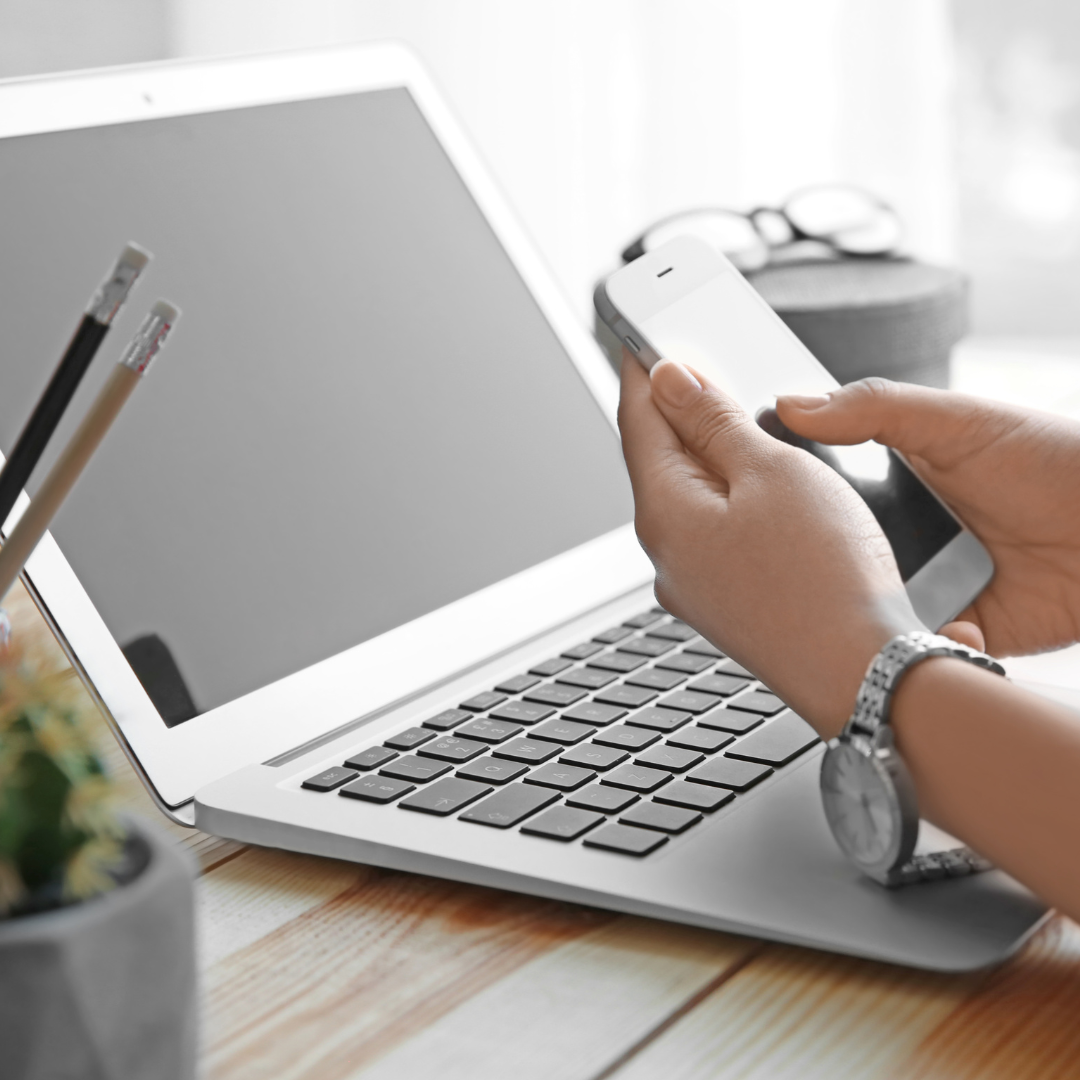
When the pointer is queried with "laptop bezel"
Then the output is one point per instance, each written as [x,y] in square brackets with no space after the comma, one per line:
[175,762]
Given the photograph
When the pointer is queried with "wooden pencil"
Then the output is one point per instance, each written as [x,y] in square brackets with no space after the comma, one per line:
[69,466]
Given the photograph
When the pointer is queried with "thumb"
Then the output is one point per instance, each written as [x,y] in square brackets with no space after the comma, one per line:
[712,426]
[909,418]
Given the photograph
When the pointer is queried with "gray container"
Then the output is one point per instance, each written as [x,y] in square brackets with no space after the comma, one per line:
[896,318]
[105,989]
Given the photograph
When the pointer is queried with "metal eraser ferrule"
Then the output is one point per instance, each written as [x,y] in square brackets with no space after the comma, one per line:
[146,344]
[113,291]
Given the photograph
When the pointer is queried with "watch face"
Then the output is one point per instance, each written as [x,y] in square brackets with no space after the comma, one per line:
[861,806]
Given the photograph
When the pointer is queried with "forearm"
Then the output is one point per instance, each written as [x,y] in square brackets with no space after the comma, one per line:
[997,767]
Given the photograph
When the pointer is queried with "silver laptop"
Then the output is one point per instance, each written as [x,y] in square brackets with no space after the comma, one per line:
[355,573]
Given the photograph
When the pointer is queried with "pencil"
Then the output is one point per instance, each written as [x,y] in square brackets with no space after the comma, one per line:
[91,331]
[62,476]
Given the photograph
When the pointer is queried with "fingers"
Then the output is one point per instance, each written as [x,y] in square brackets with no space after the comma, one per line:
[909,418]
[650,447]
[707,422]
[967,633]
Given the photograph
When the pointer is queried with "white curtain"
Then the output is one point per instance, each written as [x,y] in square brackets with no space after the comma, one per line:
[597,116]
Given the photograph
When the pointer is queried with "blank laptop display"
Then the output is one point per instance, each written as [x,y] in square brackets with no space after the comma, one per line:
[324,452]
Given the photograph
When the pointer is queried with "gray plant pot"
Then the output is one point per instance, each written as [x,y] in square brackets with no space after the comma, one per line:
[105,989]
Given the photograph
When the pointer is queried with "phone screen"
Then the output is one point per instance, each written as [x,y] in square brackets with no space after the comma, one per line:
[725,331]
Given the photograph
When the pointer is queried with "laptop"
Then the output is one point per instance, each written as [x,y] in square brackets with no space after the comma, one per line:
[355,573]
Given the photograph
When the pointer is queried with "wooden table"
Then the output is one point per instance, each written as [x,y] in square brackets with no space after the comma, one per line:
[325,970]
[319,969]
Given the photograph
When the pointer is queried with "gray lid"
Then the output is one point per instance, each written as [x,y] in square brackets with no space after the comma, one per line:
[897,318]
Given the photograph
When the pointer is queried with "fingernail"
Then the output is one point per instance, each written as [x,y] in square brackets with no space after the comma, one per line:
[806,401]
[673,384]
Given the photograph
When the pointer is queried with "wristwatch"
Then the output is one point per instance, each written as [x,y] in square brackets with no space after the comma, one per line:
[866,789]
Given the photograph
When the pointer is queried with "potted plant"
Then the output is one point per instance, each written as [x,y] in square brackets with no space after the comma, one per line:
[97,965]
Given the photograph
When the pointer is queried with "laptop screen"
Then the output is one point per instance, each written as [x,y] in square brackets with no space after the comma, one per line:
[361,417]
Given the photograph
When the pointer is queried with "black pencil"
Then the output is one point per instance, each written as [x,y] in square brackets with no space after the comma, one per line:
[100,312]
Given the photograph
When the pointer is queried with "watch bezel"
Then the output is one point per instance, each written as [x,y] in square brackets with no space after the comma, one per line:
[879,755]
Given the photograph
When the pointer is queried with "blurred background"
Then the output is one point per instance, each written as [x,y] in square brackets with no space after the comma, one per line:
[599,116]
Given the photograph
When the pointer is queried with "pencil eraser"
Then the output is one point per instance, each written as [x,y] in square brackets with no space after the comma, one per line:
[163,309]
[135,256]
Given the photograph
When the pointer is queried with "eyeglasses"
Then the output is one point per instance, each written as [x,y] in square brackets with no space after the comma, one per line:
[830,220]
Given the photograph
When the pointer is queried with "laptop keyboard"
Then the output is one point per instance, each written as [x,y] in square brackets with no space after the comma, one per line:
[619,743]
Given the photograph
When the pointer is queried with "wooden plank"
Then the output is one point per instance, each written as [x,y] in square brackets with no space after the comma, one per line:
[802,1014]
[569,1013]
[391,963]
[1024,1024]
[799,1014]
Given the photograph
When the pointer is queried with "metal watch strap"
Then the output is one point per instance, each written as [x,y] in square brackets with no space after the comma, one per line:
[872,704]
[874,698]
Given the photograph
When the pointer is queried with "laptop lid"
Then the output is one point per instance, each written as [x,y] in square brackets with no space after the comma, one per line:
[379,449]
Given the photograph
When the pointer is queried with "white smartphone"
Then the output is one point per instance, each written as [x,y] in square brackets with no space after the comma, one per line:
[684,301]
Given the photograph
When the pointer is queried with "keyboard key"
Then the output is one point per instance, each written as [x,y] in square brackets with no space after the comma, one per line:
[591,756]
[376,789]
[583,651]
[704,648]
[607,800]
[618,661]
[700,738]
[589,677]
[616,633]
[729,773]
[646,618]
[510,805]
[693,701]
[329,779]
[730,667]
[445,796]
[660,719]
[555,694]
[415,769]
[562,777]
[625,839]
[728,720]
[759,701]
[482,702]
[631,696]
[694,796]
[529,750]
[562,731]
[551,667]
[521,712]
[406,740]
[629,738]
[451,748]
[371,758]
[447,719]
[636,778]
[490,770]
[674,631]
[647,646]
[778,742]
[688,662]
[517,683]
[591,712]
[672,758]
[562,823]
[488,730]
[643,620]
[656,679]
[724,685]
[650,815]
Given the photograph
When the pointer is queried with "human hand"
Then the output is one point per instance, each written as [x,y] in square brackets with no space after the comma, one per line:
[758,545]
[1011,475]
